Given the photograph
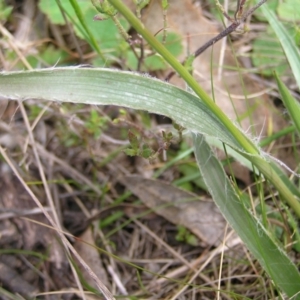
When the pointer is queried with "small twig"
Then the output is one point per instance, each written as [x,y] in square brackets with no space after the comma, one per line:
[251,10]
[221,35]
[223,11]
[231,28]
[239,9]
[142,53]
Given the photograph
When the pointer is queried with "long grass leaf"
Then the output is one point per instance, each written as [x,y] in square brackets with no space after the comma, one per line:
[273,259]
[113,87]
[291,104]
[288,44]
[81,19]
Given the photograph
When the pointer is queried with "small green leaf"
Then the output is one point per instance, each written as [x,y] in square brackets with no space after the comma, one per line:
[133,140]
[184,235]
[130,152]
[289,10]
[167,136]
[5,11]
[51,9]
[96,123]
[105,32]
[146,151]
[192,240]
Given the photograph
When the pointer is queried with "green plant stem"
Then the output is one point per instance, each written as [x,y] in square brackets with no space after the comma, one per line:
[285,131]
[246,144]
[251,150]
[64,15]
[283,185]
[82,21]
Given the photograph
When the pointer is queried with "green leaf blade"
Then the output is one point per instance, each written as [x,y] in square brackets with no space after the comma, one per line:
[291,104]
[112,87]
[280,268]
[288,44]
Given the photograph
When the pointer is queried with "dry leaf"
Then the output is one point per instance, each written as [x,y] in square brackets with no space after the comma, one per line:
[90,255]
[200,216]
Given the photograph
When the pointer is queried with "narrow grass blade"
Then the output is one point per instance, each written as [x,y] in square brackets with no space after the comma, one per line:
[271,171]
[242,139]
[80,17]
[288,44]
[273,259]
[269,168]
[291,104]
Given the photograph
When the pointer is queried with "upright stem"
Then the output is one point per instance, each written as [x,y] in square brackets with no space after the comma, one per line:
[242,140]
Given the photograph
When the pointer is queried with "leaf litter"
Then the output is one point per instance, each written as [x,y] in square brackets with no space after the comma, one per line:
[148,262]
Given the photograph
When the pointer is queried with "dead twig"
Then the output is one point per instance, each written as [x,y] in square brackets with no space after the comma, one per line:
[236,22]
